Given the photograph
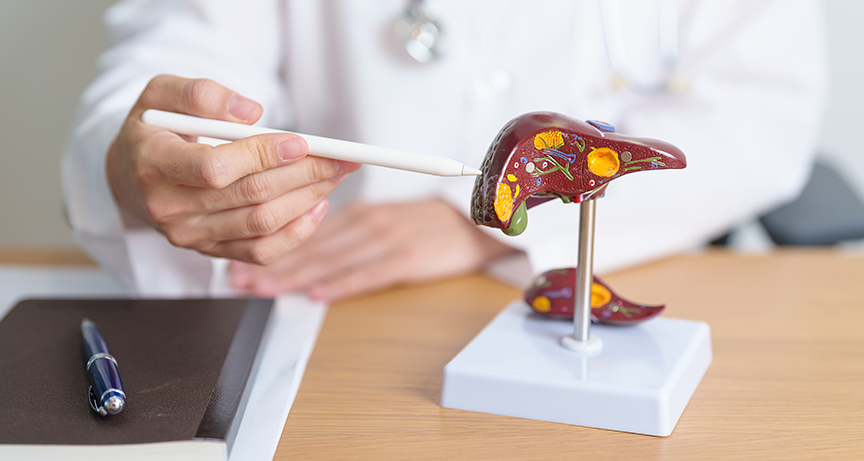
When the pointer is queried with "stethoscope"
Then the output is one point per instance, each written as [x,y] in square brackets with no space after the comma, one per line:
[421,36]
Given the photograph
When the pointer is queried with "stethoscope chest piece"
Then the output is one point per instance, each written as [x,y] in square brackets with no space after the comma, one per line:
[420,34]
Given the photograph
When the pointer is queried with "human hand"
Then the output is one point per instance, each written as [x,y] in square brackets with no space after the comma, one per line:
[368,247]
[251,200]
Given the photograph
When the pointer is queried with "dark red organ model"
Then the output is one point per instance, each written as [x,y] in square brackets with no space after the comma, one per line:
[552,295]
[541,156]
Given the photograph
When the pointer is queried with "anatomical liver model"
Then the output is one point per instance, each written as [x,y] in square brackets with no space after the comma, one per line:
[634,379]
[551,295]
[541,156]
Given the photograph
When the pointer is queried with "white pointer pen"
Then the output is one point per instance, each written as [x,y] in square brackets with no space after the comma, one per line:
[318,146]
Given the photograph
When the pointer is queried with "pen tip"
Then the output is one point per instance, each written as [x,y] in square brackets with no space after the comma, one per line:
[470,171]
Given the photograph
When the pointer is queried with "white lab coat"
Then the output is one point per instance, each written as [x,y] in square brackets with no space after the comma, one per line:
[755,84]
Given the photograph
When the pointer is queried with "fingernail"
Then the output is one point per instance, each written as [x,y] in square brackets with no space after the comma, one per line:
[293,149]
[340,178]
[266,288]
[240,279]
[318,211]
[242,108]
[319,293]
[348,167]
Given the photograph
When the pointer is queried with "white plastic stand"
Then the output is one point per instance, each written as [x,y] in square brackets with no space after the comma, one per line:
[639,381]
[636,379]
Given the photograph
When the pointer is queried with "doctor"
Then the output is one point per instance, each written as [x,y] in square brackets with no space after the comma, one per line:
[738,85]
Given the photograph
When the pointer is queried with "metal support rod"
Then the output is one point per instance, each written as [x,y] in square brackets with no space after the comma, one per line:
[584,272]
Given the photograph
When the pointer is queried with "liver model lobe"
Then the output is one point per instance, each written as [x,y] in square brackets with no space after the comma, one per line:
[551,295]
[540,156]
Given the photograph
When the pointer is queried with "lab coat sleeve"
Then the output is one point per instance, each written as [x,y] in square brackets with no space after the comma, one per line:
[237,47]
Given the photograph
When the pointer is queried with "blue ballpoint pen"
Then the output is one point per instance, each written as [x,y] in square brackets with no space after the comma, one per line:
[106,389]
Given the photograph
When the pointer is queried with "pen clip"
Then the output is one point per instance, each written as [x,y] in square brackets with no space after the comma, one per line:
[95,404]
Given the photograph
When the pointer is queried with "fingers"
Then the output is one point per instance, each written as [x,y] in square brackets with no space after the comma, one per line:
[379,269]
[344,240]
[251,221]
[267,185]
[156,158]
[170,159]
[243,200]
[265,250]
[369,248]
[353,241]
[184,202]
[199,97]
[329,262]
[385,272]
[160,155]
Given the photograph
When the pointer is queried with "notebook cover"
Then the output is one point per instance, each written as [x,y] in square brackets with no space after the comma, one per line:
[184,365]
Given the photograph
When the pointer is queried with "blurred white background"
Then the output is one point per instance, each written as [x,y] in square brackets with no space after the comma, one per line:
[48,50]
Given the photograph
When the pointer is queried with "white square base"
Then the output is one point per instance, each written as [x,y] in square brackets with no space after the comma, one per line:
[639,382]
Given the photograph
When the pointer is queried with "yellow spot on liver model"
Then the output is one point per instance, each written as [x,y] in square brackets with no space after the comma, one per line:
[600,295]
[542,304]
[603,162]
[511,177]
[503,203]
[548,140]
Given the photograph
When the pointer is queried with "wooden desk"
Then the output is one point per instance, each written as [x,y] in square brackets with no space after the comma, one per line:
[52,257]
[787,380]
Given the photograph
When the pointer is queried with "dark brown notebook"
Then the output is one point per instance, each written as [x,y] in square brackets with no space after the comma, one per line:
[185,366]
